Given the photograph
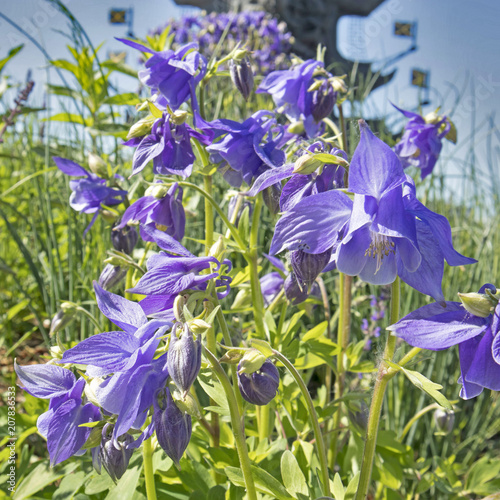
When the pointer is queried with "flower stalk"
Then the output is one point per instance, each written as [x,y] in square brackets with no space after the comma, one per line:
[147,453]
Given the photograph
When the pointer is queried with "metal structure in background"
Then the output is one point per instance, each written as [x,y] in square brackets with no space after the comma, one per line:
[123,16]
[310,21]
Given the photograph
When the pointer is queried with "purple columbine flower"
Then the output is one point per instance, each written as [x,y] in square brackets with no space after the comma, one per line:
[112,276]
[435,328]
[168,275]
[161,208]
[385,232]
[260,387]
[421,142]
[115,455]
[174,75]
[60,425]
[128,356]
[91,192]
[168,146]
[291,95]
[248,148]
[270,285]
[173,426]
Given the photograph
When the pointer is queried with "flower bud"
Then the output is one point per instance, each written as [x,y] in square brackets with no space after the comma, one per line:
[242,76]
[218,250]
[260,387]
[233,356]
[90,389]
[198,326]
[444,420]
[186,404]
[184,359]
[141,128]
[109,216]
[296,128]
[111,276]
[179,117]
[251,362]
[178,308]
[308,266]
[124,239]
[157,190]
[97,165]
[294,292]
[271,196]
[478,304]
[323,101]
[114,454]
[62,319]
[306,165]
[173,426]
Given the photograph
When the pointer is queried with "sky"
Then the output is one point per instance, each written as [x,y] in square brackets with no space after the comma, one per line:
[458,43]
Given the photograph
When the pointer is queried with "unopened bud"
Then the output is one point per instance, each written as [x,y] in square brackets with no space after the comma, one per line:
[243,299]
[308,266]
[90,390]
[252,361]
[114,454]
[323,101]
[260,387]
[242,76]
[296,128]
[97,165]
[184,359]
[306,164]
[173,426]
[142,127]
[478,304]
[198,326]
[157,190]
[218,249]
[179,117]
[112,276]
[178,308]
[271,196]
[109,216]
[62,319]
[444,420]
[185,403]
[233,356]
[124,239]
[56,352]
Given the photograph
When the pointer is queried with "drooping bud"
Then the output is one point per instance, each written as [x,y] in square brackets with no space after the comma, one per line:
[478,304]
[97,165]
[198,326]
[173,426]
[271,196]
[62,318]
[111,276]
[294,292]
[444,420]
[323,100]
[252,361]
[125,239]
[157,190]
[306,165]
[218,249]
[260,387]
[296,128]
[242,76]
[184,359]
[233,356]
[308,266]
[178,308]
[114,454]
[141,128]
[179,117]
[186,404]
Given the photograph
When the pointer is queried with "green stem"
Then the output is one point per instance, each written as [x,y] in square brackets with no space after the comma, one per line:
[236,423]
[147,452]
[344,329]
[423,411]
[222,215]
[320,444]
[209,215]
[252,255]
[383,377]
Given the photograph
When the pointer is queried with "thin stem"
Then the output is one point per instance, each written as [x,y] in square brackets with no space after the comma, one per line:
[209,215]
[222,215]
[147,452]
[344,330]
[252,255]
[423,411]
[383,377]
[237,424]
[318,437]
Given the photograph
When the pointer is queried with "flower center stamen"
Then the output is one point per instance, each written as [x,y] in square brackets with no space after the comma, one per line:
[381,246]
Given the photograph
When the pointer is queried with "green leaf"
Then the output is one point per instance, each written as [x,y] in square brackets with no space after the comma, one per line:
[352,487]
[328,158]
[424,384]
[69,486]
[338,488]
[214,389]
[318,331]
[127,99]
[121,67]
[12,52]
[98,484]
[41,476]
[14,310]
[69,117]
[292,476]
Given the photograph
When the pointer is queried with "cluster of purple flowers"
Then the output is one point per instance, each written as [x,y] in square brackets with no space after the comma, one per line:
[268,39]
